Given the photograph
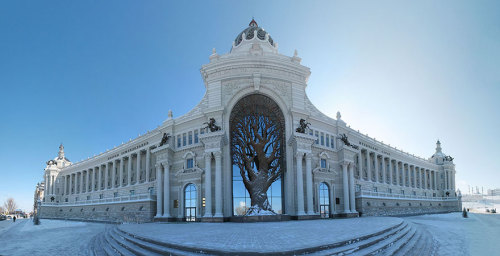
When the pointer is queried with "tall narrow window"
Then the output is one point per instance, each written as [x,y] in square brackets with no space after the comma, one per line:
[184,141]
[316,133]
[178,141]
[189,163]
[332,142]
[190,138]
[195,136]
[328,140]
[323,163]
[322,139]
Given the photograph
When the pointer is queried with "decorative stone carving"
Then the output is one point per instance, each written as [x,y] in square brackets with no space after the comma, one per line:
[212,126]
[164,139]
[303,125]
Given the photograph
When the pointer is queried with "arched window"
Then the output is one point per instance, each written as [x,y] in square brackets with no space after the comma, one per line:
[190,202]
[324,200]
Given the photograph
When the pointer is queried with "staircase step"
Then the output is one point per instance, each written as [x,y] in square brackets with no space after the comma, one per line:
[362,244]
[397,245]
[98,246]
[152,247]
[381,246]
[119,250]
[122,240]
[413,245]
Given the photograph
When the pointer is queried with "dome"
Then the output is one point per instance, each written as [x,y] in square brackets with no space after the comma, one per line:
[250,33]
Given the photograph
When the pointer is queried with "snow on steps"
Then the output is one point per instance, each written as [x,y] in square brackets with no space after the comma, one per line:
[401,239]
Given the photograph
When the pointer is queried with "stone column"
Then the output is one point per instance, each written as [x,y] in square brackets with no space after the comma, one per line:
[122,169]
[159,191]
[309,185]
[384,170]
[47,183]
[345,187]
[166,190]
[99,177]
[138,172]
[300,185]
[419,174]
[396,165]
[94,171]
[129,170]
[208,185]
[352,193]
[106,176]
[88,186]
[148,153]
[81,182]
[425,178]
[435,181]
[113,174]
[391,170]
[368,166]
[218,184]
[361,163]
[70,184]
[403,171]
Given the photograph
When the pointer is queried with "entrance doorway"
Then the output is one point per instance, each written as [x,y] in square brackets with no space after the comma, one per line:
[190,202]
[324,200]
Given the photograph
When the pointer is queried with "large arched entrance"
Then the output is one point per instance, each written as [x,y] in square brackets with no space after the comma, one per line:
[257,132]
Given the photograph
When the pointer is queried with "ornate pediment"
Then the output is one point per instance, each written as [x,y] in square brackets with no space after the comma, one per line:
[189,174]
[324,173]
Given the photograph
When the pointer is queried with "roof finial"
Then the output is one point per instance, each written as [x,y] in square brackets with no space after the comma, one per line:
[253,23]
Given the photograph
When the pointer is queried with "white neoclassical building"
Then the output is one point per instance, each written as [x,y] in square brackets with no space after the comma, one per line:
[206,165]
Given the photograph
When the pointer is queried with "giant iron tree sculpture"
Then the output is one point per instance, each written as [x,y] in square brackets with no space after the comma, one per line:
[257,131]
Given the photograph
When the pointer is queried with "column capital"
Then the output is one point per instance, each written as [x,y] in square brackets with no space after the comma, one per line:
[217,154]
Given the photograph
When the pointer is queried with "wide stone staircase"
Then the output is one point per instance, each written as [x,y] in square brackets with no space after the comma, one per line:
[402,239]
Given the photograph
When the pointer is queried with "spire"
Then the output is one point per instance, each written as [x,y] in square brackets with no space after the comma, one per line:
[253,23]
[61,152]
[438,146]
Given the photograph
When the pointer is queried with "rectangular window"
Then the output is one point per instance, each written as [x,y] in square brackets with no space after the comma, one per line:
[184,139]
[402,192]
[115,194]
[76,199]
[332,142]
[66,199]
[178,141]
[189,163]
[151,191]
[327,140]
[375,189]
[358,187]
[101,196]
[317,136]
[414,193]
[202,131]
[389,190]
[322,139]
[323,163]
[196,136]
[88,197]
[190,138]
[132,192]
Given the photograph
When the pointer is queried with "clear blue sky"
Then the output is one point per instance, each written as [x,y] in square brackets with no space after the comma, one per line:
[92,74]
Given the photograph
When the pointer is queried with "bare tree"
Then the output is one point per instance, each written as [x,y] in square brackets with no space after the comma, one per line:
[10,205]
[2,210]
[256,144]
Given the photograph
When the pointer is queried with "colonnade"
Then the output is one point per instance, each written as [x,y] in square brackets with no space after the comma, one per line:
[50,183]
[382,169]
[109,175]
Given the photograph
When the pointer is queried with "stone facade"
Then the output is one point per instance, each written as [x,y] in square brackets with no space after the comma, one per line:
[184,170]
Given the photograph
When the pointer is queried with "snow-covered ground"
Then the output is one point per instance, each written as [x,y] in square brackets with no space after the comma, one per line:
[52,237]
[477,235]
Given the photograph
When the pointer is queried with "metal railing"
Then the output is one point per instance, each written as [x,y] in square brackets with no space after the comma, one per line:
[371,194]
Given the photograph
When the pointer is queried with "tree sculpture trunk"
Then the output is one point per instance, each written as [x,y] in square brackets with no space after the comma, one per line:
[256,145]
